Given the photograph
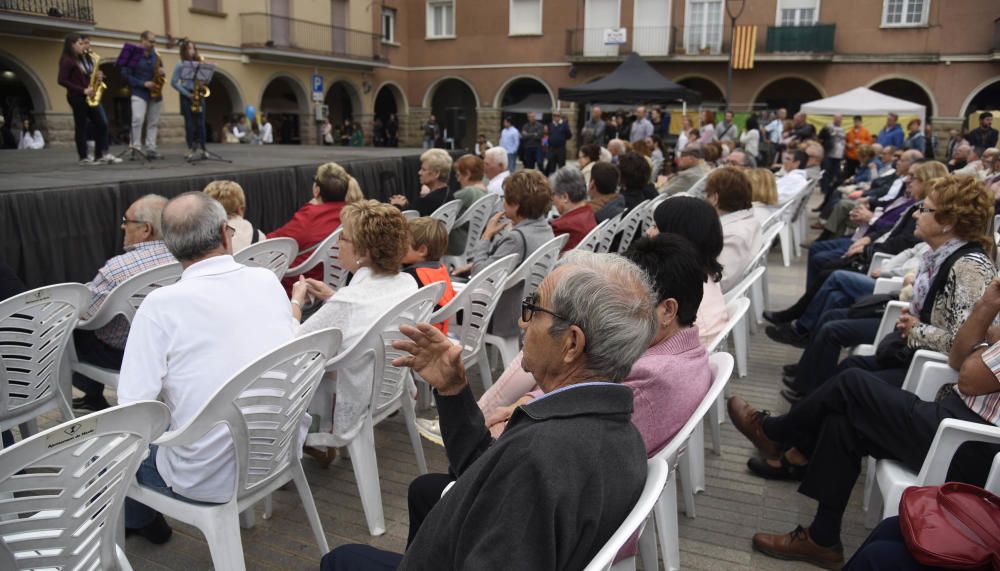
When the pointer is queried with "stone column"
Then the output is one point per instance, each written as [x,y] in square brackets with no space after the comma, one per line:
[308,129]
[487,123]
[940,127]
[366,124]
[57,128]
[569,117]
[410,131]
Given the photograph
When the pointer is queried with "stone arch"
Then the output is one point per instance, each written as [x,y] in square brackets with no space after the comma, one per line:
[709,89]
[30,81]
[986,94]
[343,101]
[454,102]
[398,96]
[432,89]
[906,87]
[285,100]
[226,100]
[789,91]
[509,82]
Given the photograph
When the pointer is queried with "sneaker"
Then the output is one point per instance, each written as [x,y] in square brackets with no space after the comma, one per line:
[109,160]
[87,161]
[430,429]
[157,532]
[152,154]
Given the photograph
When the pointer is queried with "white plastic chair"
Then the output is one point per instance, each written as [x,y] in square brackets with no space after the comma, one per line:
[527,276]
[35,328]
[878,259]
[263,406]
[665,510]
[656,478]
[647,218]
[607,236]
[447,213]
[630,225]
[71,479]
[275,254]
[737,307]
[327,253]
[759,295]
[411,214]
[391,390]
[892,312]
[477,301]
[592,240]
[888,285]
[751,288]
[800,217]
[124,300]
[476,216]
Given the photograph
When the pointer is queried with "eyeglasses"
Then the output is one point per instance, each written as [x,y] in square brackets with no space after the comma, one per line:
[230,230]
[529,307]
[924,209]
[125,220]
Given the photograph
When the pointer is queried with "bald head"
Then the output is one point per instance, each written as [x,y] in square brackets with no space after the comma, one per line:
[906,161]
[194,227]
[149,209]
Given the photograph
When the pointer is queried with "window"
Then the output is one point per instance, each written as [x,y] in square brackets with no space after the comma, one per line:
[206,5]
[525,17]
[703,26]
[905,12]
[797,12]
[389,25]
[440,18]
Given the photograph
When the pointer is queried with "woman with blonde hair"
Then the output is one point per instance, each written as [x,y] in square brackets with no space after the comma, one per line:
[230,194]
[764,192]
[435,168]
[375,239]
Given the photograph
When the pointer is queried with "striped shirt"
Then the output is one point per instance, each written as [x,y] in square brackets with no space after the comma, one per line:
[137,258]
[987,406]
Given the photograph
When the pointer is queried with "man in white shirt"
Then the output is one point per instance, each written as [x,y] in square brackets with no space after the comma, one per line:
[266,130]
[792,177]
[776,126]
[186,341]
[495,169]
[642,128]
[510,140]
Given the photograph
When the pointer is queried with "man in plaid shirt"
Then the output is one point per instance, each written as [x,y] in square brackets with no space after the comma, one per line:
[144,249]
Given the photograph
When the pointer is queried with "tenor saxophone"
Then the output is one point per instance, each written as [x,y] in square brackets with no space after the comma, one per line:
[96,84]
[201,91]
[158,80]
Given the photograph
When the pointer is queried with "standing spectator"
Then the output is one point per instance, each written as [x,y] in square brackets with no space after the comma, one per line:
[707,132]
[266,130]
[661,123]
[358,136]
[930,142]
[611,130]
[378,132]
[777,126]
[833,139]
[569,195]
[593,129]
[31,137]
[531,142]
[392,131]
[326,132]
[727,130]
[510,140]
[559,133]
[984,135]
[802,130]
[955,139]
[857,136]
[346,131]
[641,129]
[683,138]
[892,133]
[750,139]
[914,136]
[431,131]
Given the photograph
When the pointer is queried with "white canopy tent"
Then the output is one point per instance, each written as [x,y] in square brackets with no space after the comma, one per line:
[867,103]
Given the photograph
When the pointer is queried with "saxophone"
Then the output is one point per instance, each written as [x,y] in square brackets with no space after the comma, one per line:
[158,80]
[201,91]
[96,84]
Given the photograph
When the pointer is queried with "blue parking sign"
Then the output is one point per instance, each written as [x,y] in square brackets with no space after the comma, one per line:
[317,90]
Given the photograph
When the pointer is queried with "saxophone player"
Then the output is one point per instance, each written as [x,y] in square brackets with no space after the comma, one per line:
[194,121]
[76,72]
[146,79]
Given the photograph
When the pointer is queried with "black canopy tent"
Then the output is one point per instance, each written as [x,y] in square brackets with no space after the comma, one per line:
[635,82]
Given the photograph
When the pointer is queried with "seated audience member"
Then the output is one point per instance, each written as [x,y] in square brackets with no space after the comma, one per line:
[435,168]
[31,138]
[589,322]
[887,159]
[952,221]
[375,240]
[332,190]
[728,190]
[603,192]
[868,165]
[696,220]
[617,148]
[764,190]
[469,173]
[691,168]
[428,243]
[886,548]
[588,156]
[814,158]
[634,173]
[569,194]
[975,166]
[495,168]
[792,177]
[230,195]
[882,192]
[826,436]
[144,250]
[740,159]
[186,341]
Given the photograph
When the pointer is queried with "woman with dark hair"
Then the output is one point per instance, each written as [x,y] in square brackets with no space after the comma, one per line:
[587,156]
[634,170]
[750,138]
[192,120]
[695,220]
[31,138]
[75,70]
[729,191]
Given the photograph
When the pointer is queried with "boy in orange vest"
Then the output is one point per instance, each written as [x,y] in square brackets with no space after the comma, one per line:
[428,242]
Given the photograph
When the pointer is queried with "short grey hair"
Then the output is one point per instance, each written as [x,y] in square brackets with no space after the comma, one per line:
[749,161]
[569,181]
[612,300]
[192,225]
[498,154]
[149,209]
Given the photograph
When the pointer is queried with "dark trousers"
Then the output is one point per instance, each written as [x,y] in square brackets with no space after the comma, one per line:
[356,557]
[831,176]
[885,550]
[892,376]
[854,415]
[532,156]
[850,167]
[82,113]
[555,160]
[821,254]
[832,333]
[422,496]
[90,349]
[194,124]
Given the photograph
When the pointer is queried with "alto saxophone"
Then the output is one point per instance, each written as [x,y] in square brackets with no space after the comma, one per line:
[158,80]
[96,84]
[201,91]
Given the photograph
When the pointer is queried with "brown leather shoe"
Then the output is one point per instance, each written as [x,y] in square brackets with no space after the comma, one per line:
[750,422]
[798,546]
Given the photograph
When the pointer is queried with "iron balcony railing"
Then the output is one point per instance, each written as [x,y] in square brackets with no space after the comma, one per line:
[650,41]
[262,30]
[815,38]
[78,10]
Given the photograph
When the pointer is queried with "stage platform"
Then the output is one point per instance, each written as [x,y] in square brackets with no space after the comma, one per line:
[59,221]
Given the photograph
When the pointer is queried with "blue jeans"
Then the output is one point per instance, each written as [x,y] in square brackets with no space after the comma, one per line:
[822,253]
[194,124]
[833,332]
[355,557]
[511,162]
[139,515]
[839,290]
[885,550]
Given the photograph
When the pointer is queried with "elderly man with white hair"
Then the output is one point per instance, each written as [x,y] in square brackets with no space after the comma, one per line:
[570,465]
[496,169]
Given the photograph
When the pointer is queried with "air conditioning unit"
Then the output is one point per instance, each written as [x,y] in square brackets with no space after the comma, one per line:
[322,113]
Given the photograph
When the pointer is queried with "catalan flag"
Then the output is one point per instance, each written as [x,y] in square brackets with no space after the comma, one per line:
[744,46]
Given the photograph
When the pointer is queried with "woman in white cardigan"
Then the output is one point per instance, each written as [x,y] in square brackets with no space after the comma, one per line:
[729,191]
[375,239]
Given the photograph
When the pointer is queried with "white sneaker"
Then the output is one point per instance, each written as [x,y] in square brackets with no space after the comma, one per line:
[430,429]
[109,160]
[87,161]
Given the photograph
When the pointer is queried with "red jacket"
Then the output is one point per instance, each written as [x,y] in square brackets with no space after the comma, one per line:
[577,223]
[308,226]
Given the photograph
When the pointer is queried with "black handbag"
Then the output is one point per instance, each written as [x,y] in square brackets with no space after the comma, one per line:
[893,352]
[869,306]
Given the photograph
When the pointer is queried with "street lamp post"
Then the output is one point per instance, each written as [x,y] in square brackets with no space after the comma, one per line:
[734,8]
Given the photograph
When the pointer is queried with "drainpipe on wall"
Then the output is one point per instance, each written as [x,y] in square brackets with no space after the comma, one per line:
[166,24]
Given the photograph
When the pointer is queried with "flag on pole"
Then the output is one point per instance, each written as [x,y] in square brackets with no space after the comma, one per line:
[744,46]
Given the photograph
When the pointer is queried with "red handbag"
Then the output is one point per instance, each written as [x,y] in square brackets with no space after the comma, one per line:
[954,526]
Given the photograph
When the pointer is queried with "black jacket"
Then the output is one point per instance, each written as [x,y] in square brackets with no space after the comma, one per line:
[546,495]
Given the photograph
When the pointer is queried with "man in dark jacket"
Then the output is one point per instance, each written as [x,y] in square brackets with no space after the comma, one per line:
[559,133]
[531,142]
[570,465]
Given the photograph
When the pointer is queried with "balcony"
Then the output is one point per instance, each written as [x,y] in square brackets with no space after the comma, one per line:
[652,42]
[801,39]
[25,16]
[278,38]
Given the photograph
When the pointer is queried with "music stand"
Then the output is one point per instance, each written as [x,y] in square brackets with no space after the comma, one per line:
[203,72]
[129,57]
